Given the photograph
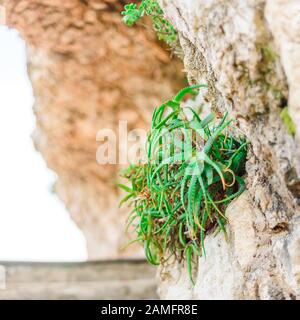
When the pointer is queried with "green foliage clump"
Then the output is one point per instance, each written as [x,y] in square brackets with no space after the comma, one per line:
[288,121]
[164,29]
[193,171]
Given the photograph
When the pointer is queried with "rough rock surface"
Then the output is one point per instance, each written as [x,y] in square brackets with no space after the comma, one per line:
[248,52]
[89,70]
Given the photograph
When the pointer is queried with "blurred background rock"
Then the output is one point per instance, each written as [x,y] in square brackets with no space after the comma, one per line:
[88,70]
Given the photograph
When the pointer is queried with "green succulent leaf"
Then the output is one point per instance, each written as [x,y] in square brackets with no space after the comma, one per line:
[194,169]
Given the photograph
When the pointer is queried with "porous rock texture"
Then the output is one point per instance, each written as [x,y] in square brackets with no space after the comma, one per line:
[88,71]
[249,53]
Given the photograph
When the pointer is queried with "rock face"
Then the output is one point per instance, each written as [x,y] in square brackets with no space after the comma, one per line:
[248,52]
[126,279]
[88,71]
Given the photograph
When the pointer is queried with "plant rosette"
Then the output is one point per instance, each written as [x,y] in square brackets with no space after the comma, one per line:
[194,169]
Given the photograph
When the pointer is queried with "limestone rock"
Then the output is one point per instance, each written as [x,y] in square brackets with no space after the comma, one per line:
[247,51]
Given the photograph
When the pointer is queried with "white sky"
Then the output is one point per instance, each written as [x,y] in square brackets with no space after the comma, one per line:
[34,224]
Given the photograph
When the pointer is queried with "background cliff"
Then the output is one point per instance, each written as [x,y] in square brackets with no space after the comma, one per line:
[88,70]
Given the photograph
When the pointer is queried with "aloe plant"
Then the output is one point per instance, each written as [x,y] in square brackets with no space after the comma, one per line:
[193,171]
